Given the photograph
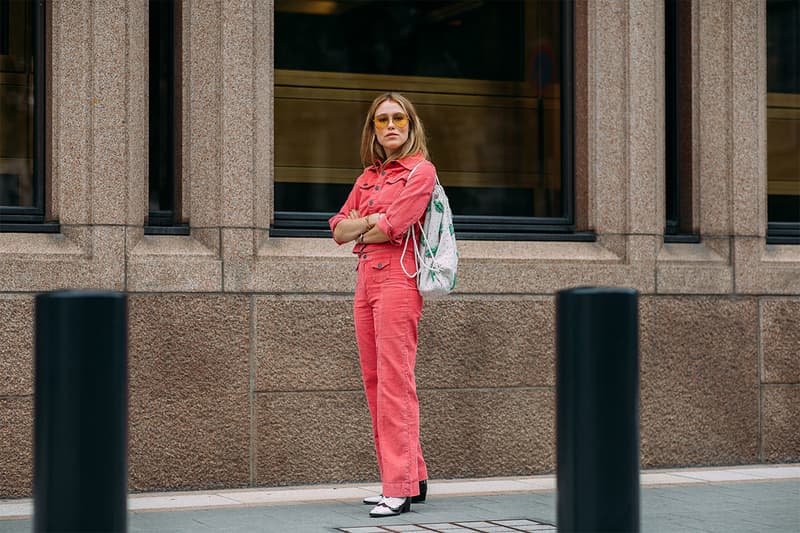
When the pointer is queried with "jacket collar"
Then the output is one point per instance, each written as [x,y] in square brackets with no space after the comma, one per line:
[408,162]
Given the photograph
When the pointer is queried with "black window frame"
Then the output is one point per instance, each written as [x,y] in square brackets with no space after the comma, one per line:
[496,228]
[165,117]
[32,219]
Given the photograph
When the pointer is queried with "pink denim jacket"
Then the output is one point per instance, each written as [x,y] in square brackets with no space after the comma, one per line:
[402,200]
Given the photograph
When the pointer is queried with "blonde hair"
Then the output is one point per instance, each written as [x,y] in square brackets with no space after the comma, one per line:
[372,151]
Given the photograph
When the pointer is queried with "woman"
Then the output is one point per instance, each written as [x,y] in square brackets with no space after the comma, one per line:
[388,197]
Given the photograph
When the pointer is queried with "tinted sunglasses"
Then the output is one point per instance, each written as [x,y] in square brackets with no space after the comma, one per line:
[381,122]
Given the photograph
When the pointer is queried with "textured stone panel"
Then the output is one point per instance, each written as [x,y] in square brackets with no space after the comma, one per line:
[263,111]
[646,123]
[488,432]
[781,424]
[202,76]
[608,111]
[178,274]
[237,117]
[471,342]
[780,340]
[697,268]
[313,437]
[189,441]
[309,344]
[713,92]
[748,115]
[189,346]
[137,119]
[110,22]
[72,110]
[80,257]
[189,383]
[16,447]
[766,269]
[16,345]
[305,344]
[493,276]
[699,381]
[326,436]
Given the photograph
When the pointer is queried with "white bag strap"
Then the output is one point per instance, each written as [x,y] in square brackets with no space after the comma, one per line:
[410,234]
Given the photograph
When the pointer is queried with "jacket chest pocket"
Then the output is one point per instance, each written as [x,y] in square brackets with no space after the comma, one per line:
[390,190]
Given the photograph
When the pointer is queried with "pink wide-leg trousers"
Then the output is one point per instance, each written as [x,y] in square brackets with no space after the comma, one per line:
[387,309]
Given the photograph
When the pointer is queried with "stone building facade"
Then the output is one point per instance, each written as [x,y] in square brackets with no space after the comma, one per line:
[242,359]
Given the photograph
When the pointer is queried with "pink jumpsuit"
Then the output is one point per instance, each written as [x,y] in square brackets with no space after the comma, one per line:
[387,310]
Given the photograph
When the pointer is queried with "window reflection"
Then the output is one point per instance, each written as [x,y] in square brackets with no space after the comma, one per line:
[783,110]
[484,76]
[16,105]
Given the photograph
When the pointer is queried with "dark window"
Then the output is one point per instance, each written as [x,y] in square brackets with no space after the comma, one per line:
[22,116]
[783,121]
[678,121]
[492,82]
[165,119]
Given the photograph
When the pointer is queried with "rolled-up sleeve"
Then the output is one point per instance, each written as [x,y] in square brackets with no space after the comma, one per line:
[410,204]
[350,204]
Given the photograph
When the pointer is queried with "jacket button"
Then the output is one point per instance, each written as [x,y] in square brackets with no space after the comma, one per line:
[370,202]
[380,265]
[383,173]
[377,187]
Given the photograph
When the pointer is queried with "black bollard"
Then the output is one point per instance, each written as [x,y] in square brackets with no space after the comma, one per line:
[81,412]
[597,410]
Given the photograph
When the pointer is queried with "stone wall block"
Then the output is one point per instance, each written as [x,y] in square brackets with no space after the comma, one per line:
[189,346]
[780,341]
[189,391]
[137,115]
[168,263]
[468,433]
[749,118]
[713,92]
[237,109]
[699,381]
[16,447]
[476,342]
[109,140]
[609,119]
[305,344]
[73,103]
[695,268]
[264,118]
[646,121]
[16,345]
[781,424]
[766,269]
[193,441]
[202,52]
[313,437]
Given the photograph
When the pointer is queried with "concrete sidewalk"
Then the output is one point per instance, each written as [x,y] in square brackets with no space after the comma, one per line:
[753,498]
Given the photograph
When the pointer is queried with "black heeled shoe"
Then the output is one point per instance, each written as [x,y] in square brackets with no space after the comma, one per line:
[383,509]
[423,492]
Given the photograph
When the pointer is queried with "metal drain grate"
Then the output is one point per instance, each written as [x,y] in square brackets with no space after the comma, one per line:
[484,526]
